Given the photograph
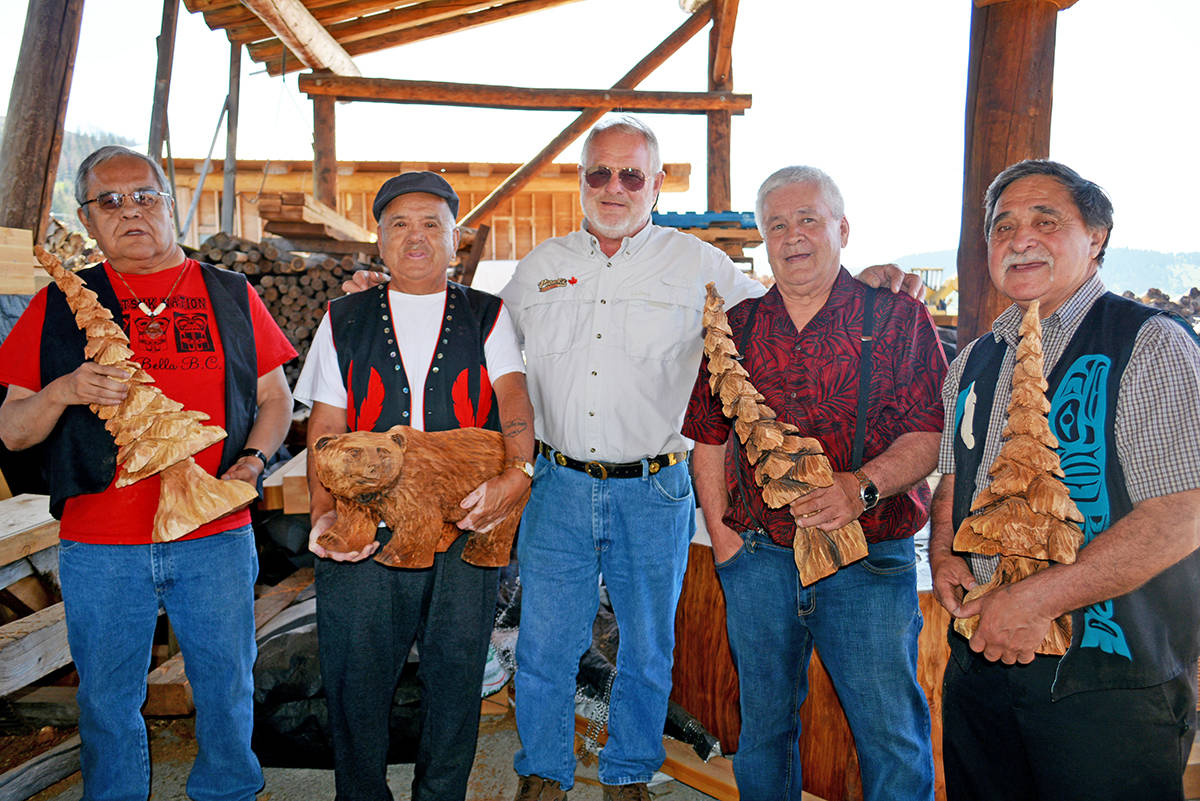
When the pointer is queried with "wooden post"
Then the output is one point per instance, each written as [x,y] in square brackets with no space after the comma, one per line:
[324,152]
[587,119]
[1009,92]
[720,79]
[37,107]
[162,79]
[229,190]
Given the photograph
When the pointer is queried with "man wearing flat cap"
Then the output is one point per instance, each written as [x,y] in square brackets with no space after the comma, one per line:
[428,353]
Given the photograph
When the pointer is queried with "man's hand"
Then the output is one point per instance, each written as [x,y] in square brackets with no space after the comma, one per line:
[91,383]
[363,279]
[319,527]
[247,469]
[952,580]
[493,500]
[1011,623]
[725,541]
[895,279]
[829,508]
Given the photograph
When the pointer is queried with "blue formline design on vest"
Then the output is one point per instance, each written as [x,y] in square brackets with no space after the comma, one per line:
[1079,419]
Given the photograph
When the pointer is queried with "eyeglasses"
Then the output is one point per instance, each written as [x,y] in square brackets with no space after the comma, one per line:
[633,180]
[111,201]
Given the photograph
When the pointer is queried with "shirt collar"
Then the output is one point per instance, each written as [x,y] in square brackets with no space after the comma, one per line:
[630,245]
[1067,317]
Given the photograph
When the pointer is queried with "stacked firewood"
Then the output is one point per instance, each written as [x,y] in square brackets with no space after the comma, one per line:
[1187,306]
[73,249]
[296,288]
[1026,515]
[786,465]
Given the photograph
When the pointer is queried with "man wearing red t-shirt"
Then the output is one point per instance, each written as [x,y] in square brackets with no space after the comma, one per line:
[803,345]
[209,343]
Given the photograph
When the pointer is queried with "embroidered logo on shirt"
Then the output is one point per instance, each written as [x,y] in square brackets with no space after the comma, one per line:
[546,284]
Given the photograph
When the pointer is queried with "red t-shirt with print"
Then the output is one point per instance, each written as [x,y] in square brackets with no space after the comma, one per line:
[181,348]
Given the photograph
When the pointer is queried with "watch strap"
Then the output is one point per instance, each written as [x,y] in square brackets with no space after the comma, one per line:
[256,453]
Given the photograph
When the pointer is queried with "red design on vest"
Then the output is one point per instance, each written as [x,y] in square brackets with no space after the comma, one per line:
[364,419]
[464,409]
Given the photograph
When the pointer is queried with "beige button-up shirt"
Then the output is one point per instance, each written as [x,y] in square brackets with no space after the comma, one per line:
[612,344]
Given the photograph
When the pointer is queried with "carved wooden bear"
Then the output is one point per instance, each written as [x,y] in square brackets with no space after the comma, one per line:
[413,481]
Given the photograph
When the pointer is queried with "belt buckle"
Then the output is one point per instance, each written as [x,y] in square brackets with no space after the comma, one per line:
[601,470]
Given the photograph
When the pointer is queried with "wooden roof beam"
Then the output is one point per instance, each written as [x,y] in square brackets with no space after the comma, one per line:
[303,35]
[724,20]
[456,23]
[465,94]
[361,27]
[677,39]
[222,14]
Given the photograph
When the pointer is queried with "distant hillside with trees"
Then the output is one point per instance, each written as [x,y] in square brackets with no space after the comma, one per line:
[75,148]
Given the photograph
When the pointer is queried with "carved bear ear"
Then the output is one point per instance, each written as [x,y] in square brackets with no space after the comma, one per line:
[323,442]
[399,435]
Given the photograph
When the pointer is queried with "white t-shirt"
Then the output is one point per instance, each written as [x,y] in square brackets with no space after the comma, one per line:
[418,323]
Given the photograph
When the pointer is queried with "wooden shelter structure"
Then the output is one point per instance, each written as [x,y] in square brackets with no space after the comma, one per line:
[1008,108]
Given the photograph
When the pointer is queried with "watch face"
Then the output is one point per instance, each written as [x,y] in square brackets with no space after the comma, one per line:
[870,496]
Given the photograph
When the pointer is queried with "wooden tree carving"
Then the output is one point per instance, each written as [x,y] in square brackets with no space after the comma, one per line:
[1024,512]
[153,433]
[786,465]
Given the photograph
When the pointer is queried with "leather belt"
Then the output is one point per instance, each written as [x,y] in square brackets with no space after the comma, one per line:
[604,470]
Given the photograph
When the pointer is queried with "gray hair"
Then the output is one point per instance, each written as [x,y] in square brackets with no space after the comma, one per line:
[798,175]
[1094,206]
[626,124]
[108,153]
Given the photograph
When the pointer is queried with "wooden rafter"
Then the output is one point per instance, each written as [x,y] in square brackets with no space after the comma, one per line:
[456,23]
[631,79]
[303,35]
[516,97]
[724,20]
[351,30]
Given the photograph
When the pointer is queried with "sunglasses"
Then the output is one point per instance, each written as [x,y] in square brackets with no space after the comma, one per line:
[111,201]
[631,179]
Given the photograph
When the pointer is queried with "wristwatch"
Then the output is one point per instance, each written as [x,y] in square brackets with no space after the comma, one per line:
[522,465]
[256,453]
[867,491]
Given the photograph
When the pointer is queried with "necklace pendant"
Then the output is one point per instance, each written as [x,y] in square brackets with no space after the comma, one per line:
[159,309]
[144,309]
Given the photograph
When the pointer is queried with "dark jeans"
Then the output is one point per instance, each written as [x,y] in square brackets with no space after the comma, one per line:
[1004,739]
[368,617]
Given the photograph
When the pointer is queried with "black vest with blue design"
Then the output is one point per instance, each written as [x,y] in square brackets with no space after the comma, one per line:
[1146,636]
[81,456]
[458,393]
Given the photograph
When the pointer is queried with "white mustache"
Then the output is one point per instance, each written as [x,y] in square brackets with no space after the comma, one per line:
[1029,255]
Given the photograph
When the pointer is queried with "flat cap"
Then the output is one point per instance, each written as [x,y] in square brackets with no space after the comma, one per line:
[423,181]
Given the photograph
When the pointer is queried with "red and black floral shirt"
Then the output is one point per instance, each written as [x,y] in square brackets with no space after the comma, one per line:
[810,378]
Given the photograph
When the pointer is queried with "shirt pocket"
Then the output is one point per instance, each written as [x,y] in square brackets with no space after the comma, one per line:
[662,321]
[549,325]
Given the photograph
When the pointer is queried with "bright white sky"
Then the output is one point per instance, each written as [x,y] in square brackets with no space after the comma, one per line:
[872,91]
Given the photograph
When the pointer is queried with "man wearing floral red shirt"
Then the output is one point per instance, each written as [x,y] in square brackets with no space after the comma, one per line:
[802,344]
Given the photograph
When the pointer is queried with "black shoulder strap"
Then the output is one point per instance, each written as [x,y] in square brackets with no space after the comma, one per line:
[864,377]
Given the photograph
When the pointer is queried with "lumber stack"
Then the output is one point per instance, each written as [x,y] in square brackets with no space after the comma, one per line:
[75,250]
[296,287]
[297,214]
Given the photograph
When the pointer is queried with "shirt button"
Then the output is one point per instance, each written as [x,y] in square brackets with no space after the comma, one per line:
[598,336]
[439,355]
[609,264]
[591,450]
[397,368]
[593,372]
[406,414]
[385,317]
[393,354]
[406,390]
[603,301]
[433,370]
[591,414]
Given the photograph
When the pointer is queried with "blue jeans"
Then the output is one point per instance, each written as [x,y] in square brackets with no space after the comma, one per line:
[111,595]
[864,620]
[635,532]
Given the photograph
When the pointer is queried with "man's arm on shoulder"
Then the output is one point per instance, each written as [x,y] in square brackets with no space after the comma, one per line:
[894,279]
[1158,533]
[494,499]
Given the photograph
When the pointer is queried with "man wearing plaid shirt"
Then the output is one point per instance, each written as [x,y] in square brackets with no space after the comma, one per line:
[1113,718]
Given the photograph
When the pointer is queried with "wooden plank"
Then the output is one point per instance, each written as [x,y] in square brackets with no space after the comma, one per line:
[31,647]
[41,771]
[274,600]
[304,36]
[325,177]
[162,78]
[519,97]
[295,486]
[22,237]
[47,706]
[26,527]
